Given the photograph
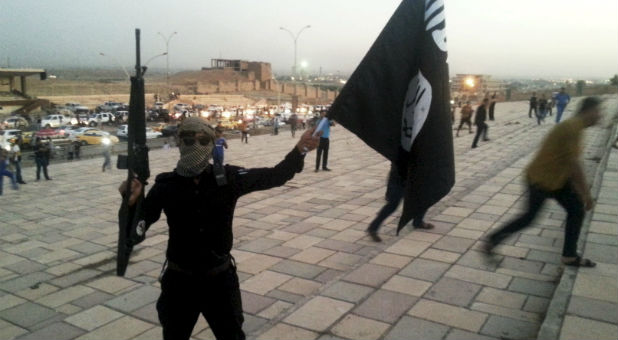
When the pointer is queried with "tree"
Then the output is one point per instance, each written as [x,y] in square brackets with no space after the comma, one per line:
[614,80]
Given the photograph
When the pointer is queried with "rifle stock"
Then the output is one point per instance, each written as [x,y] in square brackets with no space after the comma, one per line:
[131,219]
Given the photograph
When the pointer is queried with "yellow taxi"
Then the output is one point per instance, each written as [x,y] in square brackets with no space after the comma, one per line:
[96,137]
[159,126]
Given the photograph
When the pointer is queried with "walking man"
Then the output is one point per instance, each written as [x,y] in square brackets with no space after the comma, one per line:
[41,158]
[4,162]
[15,160]
[466,118]
[322,153]
[556,172]
[542,110]
[562,100]
[394,194]
[244,132]
[107,164]
[293,120]
[200,276]
[479,121]
[532,105]
[492,106]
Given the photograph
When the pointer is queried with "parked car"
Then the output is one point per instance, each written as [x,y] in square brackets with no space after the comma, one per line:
[169,131]
[15,123]
[109,106]
[101,118]
[123,131]
[150,134]
[158,105]
[8,136]
[50,121]
[181,107]
[73,133]
[95,137]
[48,133]
[159,127]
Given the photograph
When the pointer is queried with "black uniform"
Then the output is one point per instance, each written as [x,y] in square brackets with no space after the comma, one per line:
[201,276]
[481,126]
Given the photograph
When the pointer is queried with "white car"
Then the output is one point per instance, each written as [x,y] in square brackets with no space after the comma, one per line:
[15,122]
[7,136]
[123,132]
[101,118]
[57,120]
[73,133]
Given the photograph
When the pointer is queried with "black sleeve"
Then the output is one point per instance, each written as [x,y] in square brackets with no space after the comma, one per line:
[249,180]
[153,204]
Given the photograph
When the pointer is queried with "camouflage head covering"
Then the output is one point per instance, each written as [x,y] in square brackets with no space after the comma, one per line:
[194,158]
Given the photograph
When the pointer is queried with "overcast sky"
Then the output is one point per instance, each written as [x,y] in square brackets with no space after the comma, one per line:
[522,38]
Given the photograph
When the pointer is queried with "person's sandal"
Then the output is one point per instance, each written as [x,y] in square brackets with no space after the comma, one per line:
[580,262]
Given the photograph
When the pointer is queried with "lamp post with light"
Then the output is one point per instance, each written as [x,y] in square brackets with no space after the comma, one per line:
[295,38]
[167,53]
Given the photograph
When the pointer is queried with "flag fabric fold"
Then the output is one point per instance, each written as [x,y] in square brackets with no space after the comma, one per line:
[397,101]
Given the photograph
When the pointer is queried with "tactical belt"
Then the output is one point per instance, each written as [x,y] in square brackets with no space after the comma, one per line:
[214,271]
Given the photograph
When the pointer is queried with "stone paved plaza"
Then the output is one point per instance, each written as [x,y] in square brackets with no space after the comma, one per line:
[307,268]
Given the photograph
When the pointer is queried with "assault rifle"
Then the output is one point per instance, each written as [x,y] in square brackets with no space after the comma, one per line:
[132,226]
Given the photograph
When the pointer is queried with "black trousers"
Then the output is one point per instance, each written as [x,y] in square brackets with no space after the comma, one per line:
[41,163]
[480,129]
[465,121]
[567,198]
[532,108]
[244,137]
[322,153]
[184,297]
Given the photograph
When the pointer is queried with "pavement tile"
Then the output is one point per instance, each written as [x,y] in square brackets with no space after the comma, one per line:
[8,301]
[356,327]
[386,306]
[449,315]
[282,331]
[56,331]
[481,277]
[341,246]
[501,297]
[302,242]
[94,317]
[319,313]
[593,309]
[260,245]
[408,247]
[453,244]
[124,328]
[413,328]
[273,310]
[453,291]
[283,252]
[264,282]
[312,255]
[507,328]
[257,263]
[576,328]
[507,312]
[92,299]
[341,261]
[596,287]
[27,314]
[11,332]
[285,296]
[532,287]
[426,270]
[253,303]
[64,296]
[135,299]
[440,255]
[370,275]
[295,268]
[346,291]
[147,313]
[458,334]
[300,286]
[391,260]
[405,285]
[35,292]
[111,284]
[25,281]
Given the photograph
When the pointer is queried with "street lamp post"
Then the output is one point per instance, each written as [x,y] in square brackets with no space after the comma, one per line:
[167,53]
[295,38]
[117,62]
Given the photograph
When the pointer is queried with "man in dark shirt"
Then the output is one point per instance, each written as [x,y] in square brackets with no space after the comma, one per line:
[492,106]
[532,105]
[479,121]
[200,276]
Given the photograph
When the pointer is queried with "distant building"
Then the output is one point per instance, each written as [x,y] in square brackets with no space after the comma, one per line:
[475,85]
[252,70]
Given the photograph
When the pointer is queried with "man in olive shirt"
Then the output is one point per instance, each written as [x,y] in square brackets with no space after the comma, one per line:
[556,172]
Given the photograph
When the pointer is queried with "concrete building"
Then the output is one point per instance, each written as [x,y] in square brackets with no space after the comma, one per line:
[475,85]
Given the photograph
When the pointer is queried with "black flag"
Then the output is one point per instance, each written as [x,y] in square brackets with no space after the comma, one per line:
[397,101]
